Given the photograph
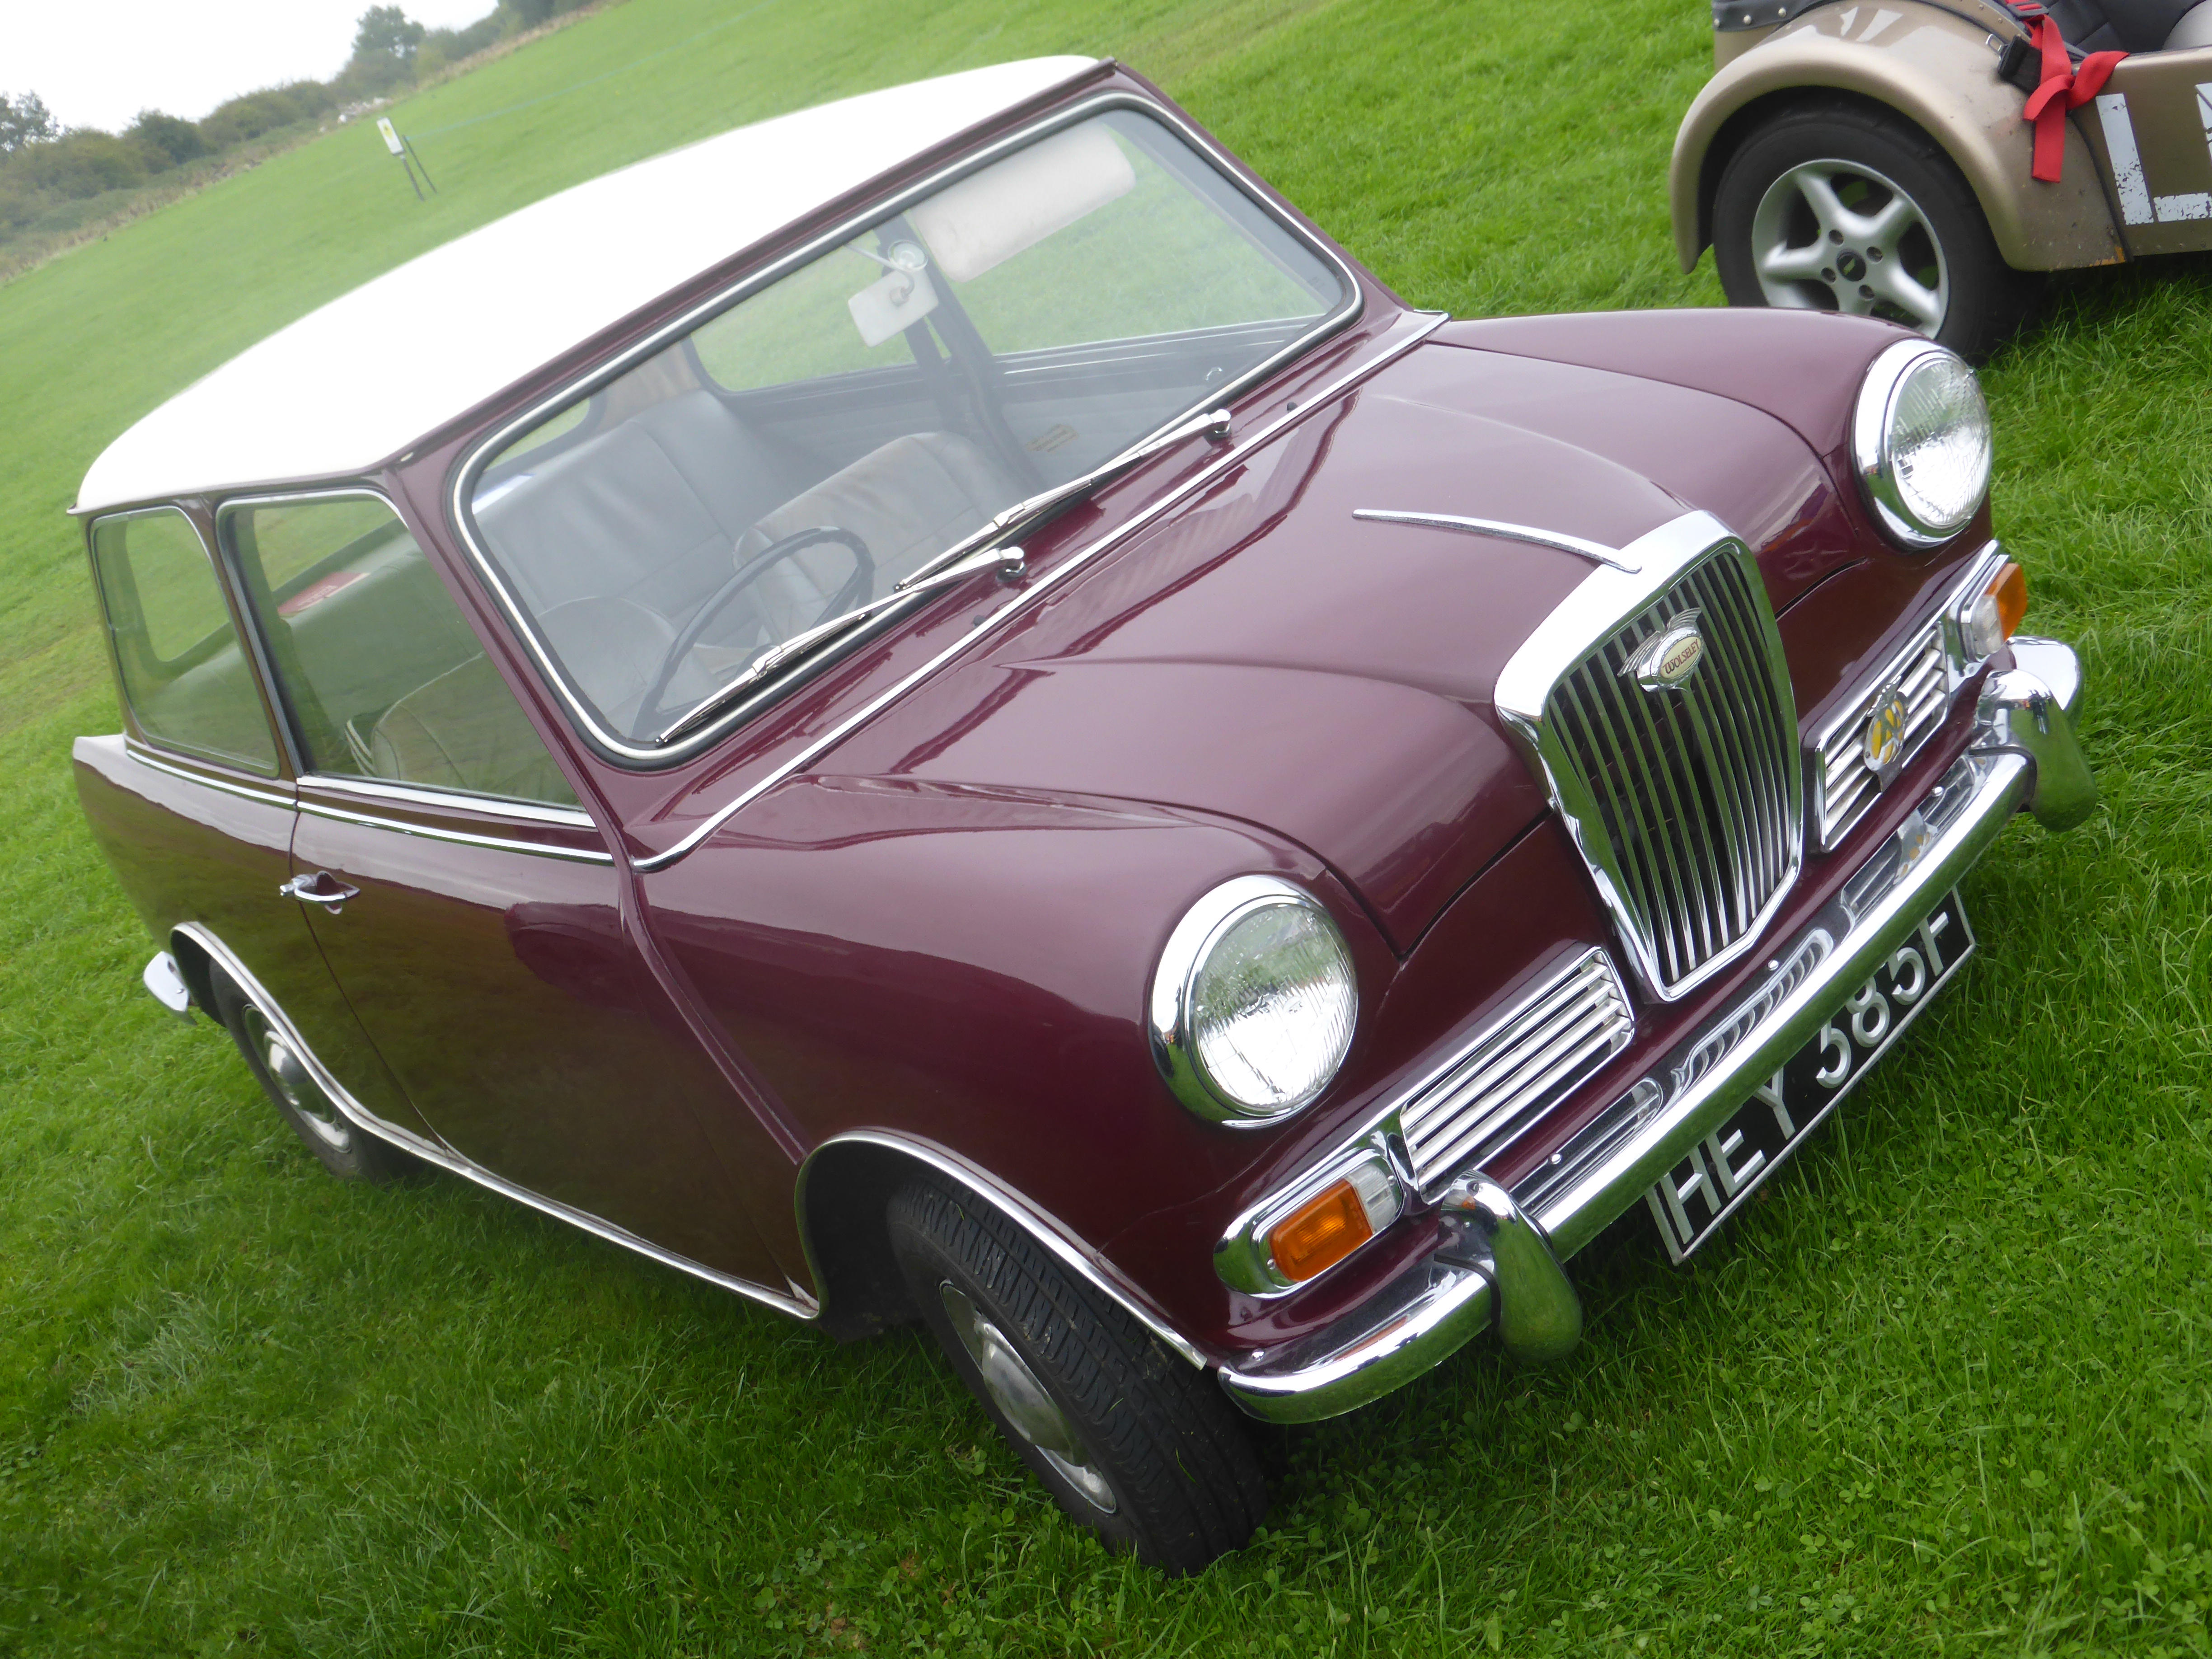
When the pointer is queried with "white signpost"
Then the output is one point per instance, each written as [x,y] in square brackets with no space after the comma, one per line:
[399,147]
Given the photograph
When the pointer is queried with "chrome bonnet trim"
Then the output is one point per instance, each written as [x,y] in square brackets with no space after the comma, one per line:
[483,452]
[452,1163]
[1062,1241]
[1036,587]
[1506,532]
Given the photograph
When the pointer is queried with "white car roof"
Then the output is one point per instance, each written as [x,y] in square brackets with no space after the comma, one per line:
[350,385]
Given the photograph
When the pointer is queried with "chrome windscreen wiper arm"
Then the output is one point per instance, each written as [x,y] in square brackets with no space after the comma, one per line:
[1008,562]
[1213,424]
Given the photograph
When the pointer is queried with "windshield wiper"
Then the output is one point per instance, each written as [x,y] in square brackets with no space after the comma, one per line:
[1214,424]
[1008,562]
[956,563]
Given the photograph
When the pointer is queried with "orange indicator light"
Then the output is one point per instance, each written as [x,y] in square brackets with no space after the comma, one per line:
[2010,589]
[1321,1233]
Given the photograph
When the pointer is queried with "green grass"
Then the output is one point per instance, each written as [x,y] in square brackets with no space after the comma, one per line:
[1944,1392]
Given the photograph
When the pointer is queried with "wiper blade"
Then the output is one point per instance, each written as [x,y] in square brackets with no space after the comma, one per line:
[1213,424]
[1008,562]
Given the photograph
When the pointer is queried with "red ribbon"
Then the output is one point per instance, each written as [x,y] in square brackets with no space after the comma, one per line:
[2063,87]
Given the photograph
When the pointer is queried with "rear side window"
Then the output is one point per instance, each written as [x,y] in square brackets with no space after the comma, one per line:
[385,678]
[185,675]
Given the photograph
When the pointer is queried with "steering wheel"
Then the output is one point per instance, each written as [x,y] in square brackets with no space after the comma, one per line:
[858,589]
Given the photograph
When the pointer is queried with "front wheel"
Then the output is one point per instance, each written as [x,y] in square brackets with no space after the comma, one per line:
[1135,1445]
[1837,207]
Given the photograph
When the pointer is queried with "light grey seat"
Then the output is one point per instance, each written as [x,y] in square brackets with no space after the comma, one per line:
[2193,32]
[464,730]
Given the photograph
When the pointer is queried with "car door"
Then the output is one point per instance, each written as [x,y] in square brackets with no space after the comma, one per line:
[468,908]
[195,803]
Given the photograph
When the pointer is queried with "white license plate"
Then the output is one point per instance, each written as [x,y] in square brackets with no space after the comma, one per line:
[1721,1171]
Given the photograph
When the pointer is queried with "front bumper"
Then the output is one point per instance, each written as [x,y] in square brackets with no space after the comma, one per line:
[1503,1266]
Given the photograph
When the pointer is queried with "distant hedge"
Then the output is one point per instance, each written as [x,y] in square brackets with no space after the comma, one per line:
[50,179]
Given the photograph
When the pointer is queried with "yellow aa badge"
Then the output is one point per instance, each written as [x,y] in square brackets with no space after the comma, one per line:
[1884,733]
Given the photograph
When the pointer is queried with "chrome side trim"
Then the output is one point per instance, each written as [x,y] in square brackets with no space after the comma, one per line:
[138,752]
[1504,531]
[465,476]
[1055,1235]
[500,806]
[462,837]
[1037,586]
[452,1163]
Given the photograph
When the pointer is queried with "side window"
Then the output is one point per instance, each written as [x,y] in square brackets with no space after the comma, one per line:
[185,675]
[383,676]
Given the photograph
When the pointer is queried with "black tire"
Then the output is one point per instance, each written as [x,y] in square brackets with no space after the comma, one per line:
[347,1151]
[1759,208]
[1183,1483]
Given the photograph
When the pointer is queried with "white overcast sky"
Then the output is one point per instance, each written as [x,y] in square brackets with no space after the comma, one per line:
[98,63]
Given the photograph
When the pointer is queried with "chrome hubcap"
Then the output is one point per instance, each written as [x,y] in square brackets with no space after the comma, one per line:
[1838,236]
[1023,1399]
[294,1081]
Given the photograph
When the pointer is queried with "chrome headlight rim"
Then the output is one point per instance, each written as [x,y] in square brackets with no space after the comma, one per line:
[1203,926]
[1871,426]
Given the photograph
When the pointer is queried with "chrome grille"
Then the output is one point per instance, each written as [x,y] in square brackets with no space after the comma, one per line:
[1690,808]
[1847,784]
[1524,1061]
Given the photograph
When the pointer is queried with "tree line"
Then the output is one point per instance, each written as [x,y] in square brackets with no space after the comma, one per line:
[47,172]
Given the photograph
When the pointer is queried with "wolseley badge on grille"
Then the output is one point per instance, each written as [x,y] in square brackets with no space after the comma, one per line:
[1884,733]
[1671,655]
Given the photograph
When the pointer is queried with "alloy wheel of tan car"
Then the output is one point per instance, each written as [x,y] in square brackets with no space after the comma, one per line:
[1834,206]
[1836,235]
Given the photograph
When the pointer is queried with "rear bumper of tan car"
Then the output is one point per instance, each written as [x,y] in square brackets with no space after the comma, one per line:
[2023,757]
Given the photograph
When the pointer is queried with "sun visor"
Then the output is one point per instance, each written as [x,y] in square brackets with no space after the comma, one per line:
[987,218]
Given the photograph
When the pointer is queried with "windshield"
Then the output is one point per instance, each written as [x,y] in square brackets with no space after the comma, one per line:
[802,452]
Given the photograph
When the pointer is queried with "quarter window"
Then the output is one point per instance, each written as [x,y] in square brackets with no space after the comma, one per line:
[184,676]
[383,676]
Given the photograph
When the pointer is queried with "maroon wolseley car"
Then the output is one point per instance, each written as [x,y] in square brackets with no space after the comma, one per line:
[938,708]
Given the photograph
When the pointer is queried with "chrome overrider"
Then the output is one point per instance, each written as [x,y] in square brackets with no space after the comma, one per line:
[1499,1264]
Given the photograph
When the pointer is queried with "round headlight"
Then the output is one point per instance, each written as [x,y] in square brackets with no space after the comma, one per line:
[1253,1003]
[1920,437]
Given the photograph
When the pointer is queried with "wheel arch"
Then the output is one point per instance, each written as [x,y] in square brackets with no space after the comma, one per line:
[843,1188]
[197,967]
[1937,72]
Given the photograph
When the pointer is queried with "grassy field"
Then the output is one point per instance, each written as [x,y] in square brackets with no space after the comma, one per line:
[1946,1392]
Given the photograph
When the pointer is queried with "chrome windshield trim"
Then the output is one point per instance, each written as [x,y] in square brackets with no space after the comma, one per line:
[453,1162]
[1064,1243]
[472,464]
[1038,586]
[1506,531]
[138,752]
[458,800]
[460,837]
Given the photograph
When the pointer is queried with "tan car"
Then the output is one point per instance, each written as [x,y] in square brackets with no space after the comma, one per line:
[1878,156]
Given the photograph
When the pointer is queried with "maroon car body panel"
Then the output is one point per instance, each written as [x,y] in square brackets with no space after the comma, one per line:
[942,924]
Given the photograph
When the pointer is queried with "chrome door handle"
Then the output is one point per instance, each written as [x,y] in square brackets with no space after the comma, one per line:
[302,887]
